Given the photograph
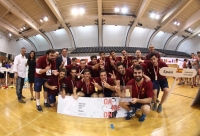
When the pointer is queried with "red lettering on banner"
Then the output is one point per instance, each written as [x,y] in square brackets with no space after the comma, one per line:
[107,114]
[107,101]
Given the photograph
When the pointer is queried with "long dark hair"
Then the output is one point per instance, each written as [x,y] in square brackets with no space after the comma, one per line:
[29,57]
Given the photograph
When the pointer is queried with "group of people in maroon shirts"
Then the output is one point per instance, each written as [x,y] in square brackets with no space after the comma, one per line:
[107,76]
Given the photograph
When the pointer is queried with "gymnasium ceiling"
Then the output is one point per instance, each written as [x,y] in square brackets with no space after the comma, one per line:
[16,14]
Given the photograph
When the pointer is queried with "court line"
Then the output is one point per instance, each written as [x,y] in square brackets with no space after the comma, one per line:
[26,124]
[183,95]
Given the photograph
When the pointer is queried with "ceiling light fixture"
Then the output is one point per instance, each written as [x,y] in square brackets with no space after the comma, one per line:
[81,11]
[176,23]
[152,14]
[117,9]
[41,20]
[74,11]
[46,18]
[10,34]
[124,10]
[198,34]
[157,16]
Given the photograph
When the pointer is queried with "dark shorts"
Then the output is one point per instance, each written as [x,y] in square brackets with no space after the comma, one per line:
[137,105]
[52,99]
[38,83]
[11,75]
[163,83]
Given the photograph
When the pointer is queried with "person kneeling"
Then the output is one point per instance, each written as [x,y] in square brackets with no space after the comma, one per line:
[142,93]
[85,86]
[56,85]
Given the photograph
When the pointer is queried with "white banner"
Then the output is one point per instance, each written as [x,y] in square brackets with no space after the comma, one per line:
[91,107]
[175,72]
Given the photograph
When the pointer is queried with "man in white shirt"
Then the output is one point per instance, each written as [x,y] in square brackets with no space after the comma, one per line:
[19,69]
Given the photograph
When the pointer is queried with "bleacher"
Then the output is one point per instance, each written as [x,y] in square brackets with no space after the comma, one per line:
[174,53]
[116,49]
[108,49]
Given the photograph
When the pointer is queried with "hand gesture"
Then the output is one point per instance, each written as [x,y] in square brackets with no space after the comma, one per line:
[63,95]
[75,97]
[16,75]
[105,84]
[102,67]
[53,87]
[94,83]
[48,67]
[147,78]
[133,100]
[55,72]
[113,75]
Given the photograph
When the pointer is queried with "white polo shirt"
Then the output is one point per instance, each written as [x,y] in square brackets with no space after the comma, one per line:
[20,65]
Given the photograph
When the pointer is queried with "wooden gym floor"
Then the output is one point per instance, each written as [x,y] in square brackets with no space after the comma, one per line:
[177,119]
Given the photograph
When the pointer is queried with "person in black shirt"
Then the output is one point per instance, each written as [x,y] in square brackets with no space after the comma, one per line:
[31,63]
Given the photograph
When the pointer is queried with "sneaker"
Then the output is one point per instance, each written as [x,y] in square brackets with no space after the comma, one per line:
[154,107]
[21,101]
[47,105]
[130,114]
[142,118]
[159,110]
[23,97]
[157,101]
[39,108]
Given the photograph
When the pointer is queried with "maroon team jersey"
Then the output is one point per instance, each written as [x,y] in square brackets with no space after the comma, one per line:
[109,81]
[143,91]
[79,69]
[152,70]
[69,67]
[42,64]
[126,77]
[53,81]
[94,72]
[148,56]
[87,89]
[71,84]
[127,61]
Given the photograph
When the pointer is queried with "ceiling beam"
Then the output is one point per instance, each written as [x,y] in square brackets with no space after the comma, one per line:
[21,14]
[13,31]
[194,18]
[140,13]
[181,6]
[100,26]
[53,6]
[9,28]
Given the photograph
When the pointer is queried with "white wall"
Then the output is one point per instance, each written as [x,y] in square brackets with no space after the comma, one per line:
[160,39]
[13,46]
[40,43]
[86,36]
[173,43]
[190,45]
[114,35]
[59,38]
[140,37]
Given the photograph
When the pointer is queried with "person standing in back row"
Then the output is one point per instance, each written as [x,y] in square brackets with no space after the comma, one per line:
[63,60]
[31,71]
[19,69]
